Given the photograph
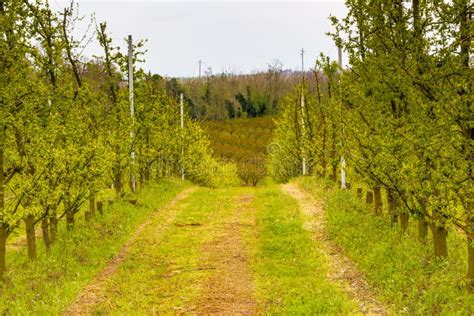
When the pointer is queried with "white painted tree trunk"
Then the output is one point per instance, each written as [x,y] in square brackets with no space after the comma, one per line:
[343,173]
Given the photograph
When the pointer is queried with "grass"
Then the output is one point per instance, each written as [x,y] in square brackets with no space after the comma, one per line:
[50,284]
[163,272]
[289,270]
[405,272]
[166,269]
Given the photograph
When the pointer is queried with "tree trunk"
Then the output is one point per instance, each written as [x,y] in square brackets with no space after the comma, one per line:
[147,174]
[45,233]
[404,218]
[392,207]
[87,216]
[30,236]
[470,261]
[470,247]
[378,200]
[359,193]
[53,228]
[3,226]
[439,241]
[369,198]
[3,250]
[159,170]
[100,207]
[422,230]
[334,173]
[324,168]
[439,237]
[118,181]
[141,180]
[70,220]
[92,205]
[91,211]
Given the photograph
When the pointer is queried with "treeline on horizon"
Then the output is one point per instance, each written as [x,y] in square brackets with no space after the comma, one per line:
[228,96]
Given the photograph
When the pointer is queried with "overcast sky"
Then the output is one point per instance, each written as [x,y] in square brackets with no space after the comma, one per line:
[226,35]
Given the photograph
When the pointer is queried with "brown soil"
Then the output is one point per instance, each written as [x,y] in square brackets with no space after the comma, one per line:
[92,294]
[230,289]
[341,269]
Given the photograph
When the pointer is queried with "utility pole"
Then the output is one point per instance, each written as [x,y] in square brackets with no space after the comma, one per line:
[132,111]
[303,133]
[181,112]
[303,127]
[200,63]
[343,161]
[302,64]
[339,56]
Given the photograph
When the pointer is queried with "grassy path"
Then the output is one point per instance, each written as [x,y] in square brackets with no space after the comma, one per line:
[290,269]
[230,288]
[197,264]
[220,251]
[341,269]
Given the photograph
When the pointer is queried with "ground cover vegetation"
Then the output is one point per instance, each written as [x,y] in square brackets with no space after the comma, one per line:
[385,255]
[173,266]
[52,282]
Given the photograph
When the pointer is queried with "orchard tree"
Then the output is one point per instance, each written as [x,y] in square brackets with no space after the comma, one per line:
[410,131]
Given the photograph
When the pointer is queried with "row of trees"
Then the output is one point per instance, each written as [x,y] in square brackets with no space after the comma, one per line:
[66,129]
[401,115]
[243,142]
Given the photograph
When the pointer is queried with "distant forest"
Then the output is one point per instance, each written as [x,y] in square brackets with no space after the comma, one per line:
[226,95]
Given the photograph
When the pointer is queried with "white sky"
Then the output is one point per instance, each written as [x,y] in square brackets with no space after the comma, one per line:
[227,35]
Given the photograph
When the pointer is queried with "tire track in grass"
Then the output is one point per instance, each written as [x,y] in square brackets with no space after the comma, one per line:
[290,271]
[92,294]
[341,269]
[165,272]
[230,289]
